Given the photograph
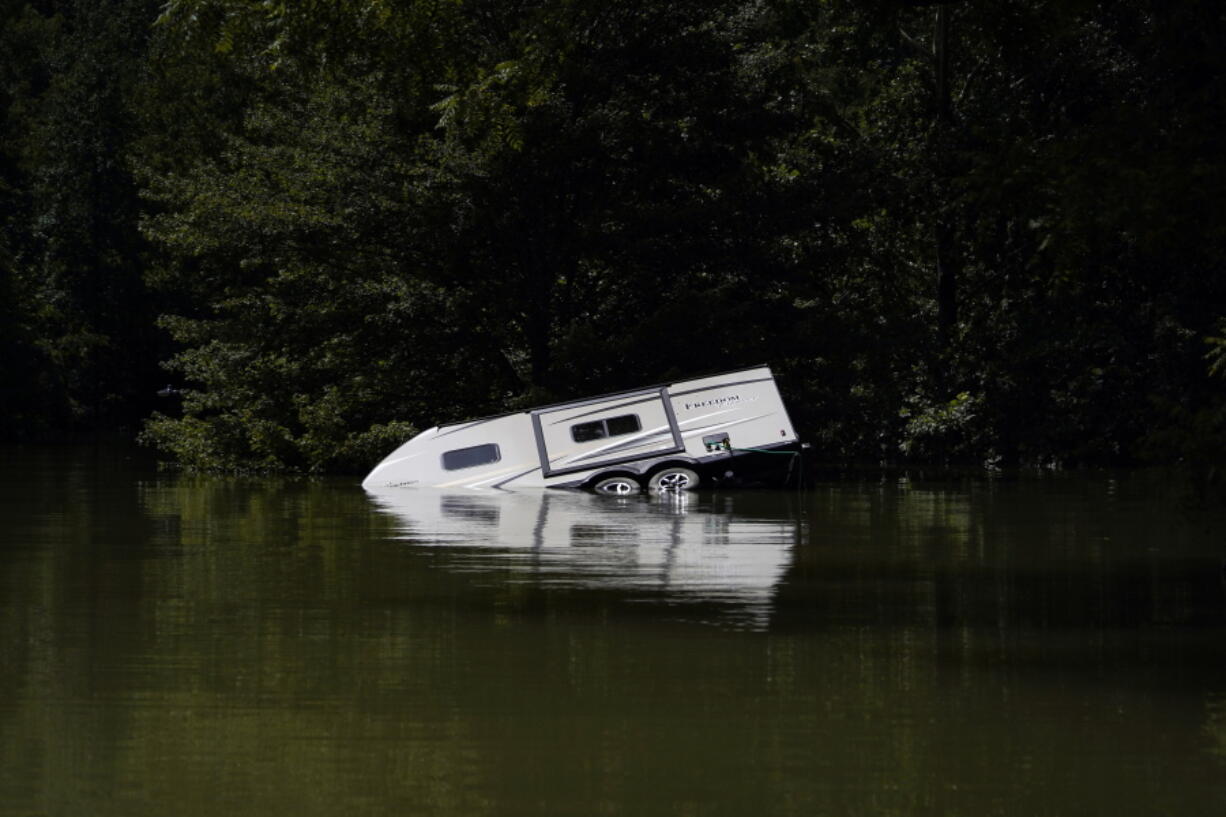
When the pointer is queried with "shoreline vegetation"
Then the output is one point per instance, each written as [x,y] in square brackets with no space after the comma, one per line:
[989,235]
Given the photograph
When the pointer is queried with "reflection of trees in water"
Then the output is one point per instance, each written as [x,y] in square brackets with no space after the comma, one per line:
[1014,557]
[189,646]
[1215,727]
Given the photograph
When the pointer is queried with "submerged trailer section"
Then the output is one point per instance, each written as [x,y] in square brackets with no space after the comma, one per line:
[674,436]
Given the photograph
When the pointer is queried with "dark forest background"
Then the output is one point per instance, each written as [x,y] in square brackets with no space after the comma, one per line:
[987,232]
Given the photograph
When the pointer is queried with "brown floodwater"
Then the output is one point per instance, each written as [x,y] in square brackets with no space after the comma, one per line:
[178,645]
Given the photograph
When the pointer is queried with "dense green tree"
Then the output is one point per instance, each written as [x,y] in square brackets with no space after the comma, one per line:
[986,232]
[24,399]
[81,350]
[1050,159]
[583,166]
[313,324]
[304,231]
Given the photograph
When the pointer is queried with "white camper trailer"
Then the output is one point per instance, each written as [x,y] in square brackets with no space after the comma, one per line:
[670,437]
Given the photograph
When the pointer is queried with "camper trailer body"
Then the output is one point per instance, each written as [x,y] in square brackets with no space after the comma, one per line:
[676,435]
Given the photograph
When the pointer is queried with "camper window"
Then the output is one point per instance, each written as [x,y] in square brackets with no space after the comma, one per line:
[610,427]
[471,457]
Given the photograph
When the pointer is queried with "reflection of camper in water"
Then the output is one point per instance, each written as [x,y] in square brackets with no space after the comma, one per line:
[715,429]
[671,544]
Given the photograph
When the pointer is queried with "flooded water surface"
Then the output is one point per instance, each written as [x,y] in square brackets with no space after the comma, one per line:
[201,646]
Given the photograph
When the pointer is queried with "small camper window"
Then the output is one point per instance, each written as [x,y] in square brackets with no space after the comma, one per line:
[471,457]
[610,427]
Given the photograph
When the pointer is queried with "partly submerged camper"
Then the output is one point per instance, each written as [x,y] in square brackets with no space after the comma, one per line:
[671,437]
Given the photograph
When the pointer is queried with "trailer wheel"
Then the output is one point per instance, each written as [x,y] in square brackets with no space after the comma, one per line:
[619,485]
[673,478]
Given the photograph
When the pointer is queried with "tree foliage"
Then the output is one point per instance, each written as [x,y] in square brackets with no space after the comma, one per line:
[981,232]
[79,345]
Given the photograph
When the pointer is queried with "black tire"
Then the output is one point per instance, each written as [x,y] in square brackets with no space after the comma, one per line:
[673,478]
[620,485]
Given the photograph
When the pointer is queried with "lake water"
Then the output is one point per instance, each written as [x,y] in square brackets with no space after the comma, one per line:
[174,645]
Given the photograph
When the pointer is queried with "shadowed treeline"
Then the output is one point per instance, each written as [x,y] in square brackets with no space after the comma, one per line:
[972,232]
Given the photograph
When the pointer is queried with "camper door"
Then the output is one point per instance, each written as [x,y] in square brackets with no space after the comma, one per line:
[606,431]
